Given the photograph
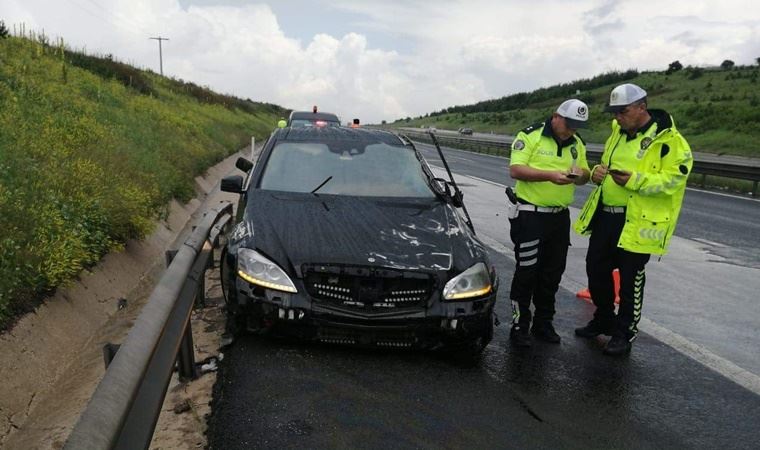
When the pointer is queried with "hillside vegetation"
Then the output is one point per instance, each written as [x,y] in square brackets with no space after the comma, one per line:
[716,109]
[91,152]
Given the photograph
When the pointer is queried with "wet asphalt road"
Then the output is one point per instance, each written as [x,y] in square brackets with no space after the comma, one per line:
[273,393]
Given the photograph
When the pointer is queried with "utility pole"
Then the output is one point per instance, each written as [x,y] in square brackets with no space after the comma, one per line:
[160,53]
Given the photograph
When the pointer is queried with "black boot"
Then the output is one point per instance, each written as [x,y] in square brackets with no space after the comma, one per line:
[519,336]
[592,330]
[545,332]
[619,345]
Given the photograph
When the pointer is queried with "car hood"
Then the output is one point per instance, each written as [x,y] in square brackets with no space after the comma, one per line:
[407,234]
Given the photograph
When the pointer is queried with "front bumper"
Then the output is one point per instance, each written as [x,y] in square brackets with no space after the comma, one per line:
[438,324]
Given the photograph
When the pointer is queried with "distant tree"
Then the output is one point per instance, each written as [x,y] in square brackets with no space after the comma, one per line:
[675,66]
[408,119]
[3,30]
[383,122]
[757,60]
[727,64]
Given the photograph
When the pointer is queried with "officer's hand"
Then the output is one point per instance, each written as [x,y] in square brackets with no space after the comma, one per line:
[620,177]
[599,174]
[560,178]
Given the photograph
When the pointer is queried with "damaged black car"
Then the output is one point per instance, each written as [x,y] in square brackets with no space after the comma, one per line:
[346,236]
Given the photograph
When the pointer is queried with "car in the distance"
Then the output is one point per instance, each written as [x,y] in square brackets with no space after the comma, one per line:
[312,118]
[465,131]
[344,235]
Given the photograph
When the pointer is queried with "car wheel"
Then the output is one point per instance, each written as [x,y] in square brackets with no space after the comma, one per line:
[236,320]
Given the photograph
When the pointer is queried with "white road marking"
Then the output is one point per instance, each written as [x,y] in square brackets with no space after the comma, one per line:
[709,242]
[722,194]
[482,180]
[726,368]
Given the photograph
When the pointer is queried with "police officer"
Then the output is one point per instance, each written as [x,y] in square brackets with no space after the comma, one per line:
[548,159]
[633,211]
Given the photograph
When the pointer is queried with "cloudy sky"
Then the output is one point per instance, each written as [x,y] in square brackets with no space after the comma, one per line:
[396,58]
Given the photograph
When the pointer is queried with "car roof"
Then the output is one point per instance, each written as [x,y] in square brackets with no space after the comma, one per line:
[332,134]
[309,115]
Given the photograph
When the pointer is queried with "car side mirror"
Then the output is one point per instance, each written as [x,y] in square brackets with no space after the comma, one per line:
[232,183]
[243,164]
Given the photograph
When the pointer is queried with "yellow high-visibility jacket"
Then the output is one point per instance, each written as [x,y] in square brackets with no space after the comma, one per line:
[656,186]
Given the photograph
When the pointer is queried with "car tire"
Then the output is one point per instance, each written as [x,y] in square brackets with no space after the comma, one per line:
[236,320]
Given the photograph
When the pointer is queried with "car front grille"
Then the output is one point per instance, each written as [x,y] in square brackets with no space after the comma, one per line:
[376,338]
[367,288]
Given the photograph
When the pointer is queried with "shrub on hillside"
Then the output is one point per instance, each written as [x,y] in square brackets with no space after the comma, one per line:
[106,67]
[693,73]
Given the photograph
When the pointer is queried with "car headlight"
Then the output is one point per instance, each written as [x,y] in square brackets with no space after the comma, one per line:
[473,282]
[255,268]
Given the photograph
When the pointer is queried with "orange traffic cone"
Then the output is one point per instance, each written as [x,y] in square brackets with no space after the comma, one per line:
[586,295]
[616,281]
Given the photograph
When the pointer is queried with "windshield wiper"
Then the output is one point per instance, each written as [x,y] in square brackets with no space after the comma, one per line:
[322,184]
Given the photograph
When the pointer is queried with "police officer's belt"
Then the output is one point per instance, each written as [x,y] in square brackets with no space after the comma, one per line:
[541,209]
[614,209]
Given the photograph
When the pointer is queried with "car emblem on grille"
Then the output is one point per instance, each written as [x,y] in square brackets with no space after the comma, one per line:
[371,259]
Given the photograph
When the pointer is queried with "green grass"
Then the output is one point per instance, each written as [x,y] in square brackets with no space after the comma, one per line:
[89,158]
[717,110]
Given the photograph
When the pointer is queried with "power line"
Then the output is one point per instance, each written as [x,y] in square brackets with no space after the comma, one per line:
[160,53]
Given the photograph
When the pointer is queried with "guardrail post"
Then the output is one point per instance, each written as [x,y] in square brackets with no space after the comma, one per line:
[109,353]
[170,254]
[200,295]
[186,357]
[754,189]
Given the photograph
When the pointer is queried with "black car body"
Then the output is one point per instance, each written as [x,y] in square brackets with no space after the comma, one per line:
[345,236]
[467,131]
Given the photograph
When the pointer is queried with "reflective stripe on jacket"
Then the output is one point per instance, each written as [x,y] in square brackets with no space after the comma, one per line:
[657,185]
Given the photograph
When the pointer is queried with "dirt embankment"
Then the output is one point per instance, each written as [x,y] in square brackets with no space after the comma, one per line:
[51,360]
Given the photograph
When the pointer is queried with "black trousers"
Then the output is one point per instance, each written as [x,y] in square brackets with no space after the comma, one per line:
[541,241]
[602,258]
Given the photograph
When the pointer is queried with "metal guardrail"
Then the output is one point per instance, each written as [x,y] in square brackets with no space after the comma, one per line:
[704,164]
[124,409]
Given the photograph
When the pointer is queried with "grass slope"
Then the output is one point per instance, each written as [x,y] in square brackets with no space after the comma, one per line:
[91,152]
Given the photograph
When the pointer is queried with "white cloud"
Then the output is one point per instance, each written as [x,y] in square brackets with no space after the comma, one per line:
[454,53]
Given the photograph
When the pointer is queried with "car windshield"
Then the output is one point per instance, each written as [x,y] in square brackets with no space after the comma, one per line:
[345,168]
